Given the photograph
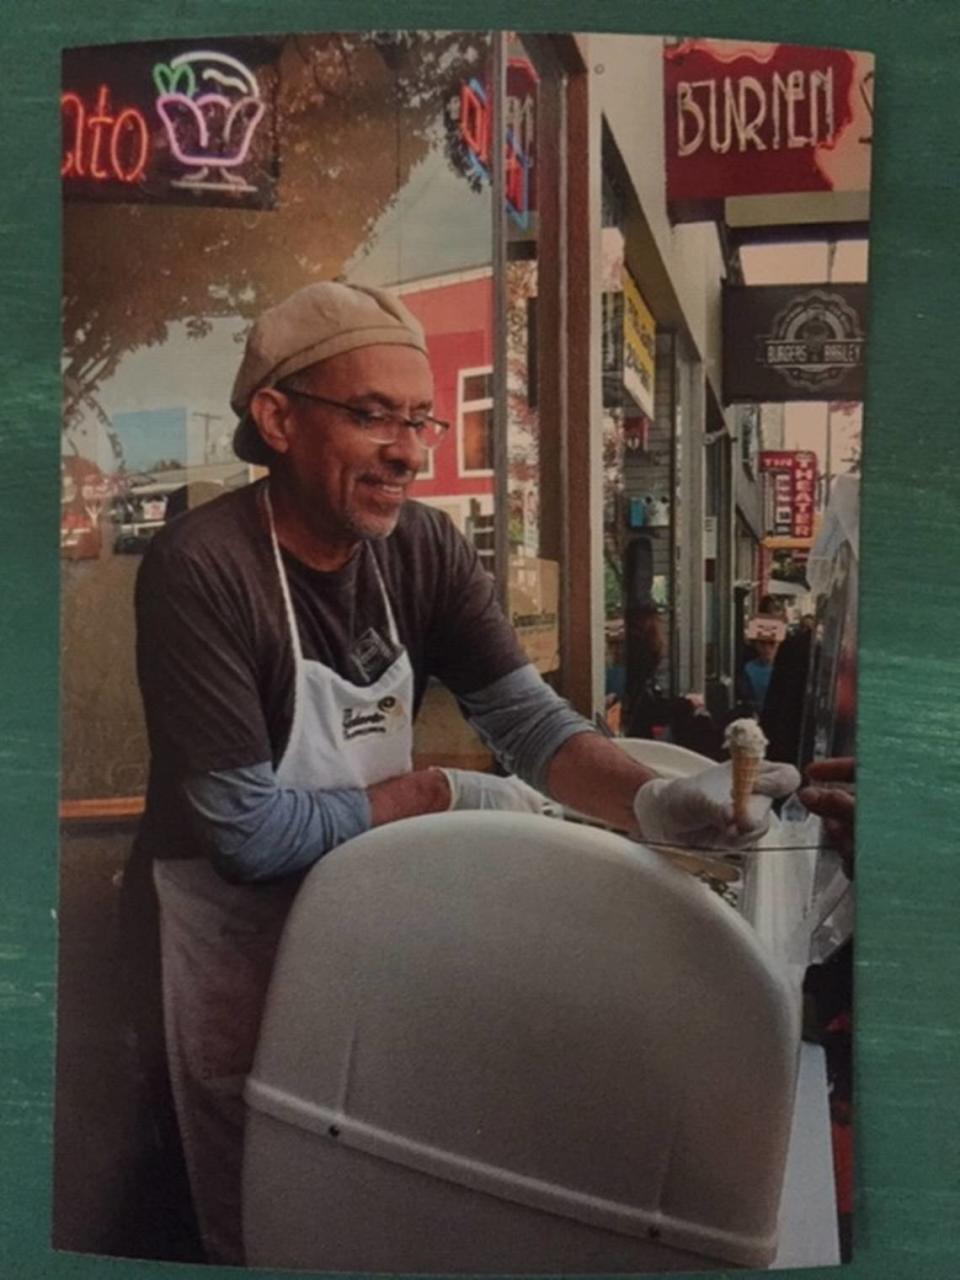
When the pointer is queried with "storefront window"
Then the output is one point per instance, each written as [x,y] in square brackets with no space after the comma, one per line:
[532,568]
[360,161]
[475,421]
[637,476]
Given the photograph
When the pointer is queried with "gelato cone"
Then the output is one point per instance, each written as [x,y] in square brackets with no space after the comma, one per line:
[747,746]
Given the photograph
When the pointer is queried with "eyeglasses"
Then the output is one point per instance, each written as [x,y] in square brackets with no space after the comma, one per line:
[382,426]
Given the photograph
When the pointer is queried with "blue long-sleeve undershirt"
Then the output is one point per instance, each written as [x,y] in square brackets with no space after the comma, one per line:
[523,722]
[253,828]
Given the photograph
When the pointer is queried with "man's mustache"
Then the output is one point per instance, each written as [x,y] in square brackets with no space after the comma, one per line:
[393,473]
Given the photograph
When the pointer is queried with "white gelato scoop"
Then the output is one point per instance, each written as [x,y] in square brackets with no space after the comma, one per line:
[745,737]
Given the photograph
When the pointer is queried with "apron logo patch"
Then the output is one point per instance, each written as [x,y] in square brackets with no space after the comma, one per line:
[356,724]
[386,717]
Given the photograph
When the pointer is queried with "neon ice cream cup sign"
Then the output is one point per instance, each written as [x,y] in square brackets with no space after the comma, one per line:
[210,106]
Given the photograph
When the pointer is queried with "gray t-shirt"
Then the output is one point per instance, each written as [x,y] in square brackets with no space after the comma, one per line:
[214,657]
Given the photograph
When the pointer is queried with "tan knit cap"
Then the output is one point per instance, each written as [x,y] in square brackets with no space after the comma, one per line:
[316,322]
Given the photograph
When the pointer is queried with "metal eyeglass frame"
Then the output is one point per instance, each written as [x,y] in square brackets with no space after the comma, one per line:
[370,419]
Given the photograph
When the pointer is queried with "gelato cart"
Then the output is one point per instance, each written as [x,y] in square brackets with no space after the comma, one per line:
[507,1043]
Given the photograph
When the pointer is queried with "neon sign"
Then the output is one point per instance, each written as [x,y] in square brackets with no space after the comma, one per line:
[745,120]
[209,131]
[101,145]
[475,118]
[143,124]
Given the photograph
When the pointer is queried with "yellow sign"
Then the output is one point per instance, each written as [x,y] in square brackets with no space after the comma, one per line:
[639,345]
[777,543]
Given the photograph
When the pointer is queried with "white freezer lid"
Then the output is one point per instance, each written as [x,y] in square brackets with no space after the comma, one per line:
[542,1011]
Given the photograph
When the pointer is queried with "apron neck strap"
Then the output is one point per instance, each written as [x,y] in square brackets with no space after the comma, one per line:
[285,585]
[282,574]
[391,624]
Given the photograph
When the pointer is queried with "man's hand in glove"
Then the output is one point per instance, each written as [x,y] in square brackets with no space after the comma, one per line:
[469,790]
[697,812]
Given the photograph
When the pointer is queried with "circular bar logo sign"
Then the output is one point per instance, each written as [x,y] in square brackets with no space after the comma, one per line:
[816,341]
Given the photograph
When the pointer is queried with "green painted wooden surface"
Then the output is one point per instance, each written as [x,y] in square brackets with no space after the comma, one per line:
[908,1010]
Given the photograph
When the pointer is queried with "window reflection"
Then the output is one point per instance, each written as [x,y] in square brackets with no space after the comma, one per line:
[475,420]
[371,178]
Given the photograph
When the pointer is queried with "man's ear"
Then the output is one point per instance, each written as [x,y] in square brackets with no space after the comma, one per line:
[270,410]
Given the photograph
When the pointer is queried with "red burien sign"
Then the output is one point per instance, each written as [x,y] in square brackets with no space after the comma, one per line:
[791,492]
[748,119]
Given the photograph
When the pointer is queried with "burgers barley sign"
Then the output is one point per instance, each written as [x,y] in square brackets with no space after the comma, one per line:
[793,342]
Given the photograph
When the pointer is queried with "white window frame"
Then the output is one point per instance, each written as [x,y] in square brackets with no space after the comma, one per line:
[471,406]
[428,470]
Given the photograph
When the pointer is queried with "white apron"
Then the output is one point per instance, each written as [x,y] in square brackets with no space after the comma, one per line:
[219,940]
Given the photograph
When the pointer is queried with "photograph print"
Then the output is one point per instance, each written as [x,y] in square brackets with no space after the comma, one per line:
[461,452]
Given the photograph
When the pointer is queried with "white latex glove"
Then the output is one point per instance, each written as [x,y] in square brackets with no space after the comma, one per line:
[469,790]
[697,812]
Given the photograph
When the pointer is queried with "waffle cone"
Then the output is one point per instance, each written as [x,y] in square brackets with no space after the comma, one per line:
[745,770]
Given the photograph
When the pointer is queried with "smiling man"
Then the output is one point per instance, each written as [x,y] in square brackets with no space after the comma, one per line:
[340,487]
[285,636]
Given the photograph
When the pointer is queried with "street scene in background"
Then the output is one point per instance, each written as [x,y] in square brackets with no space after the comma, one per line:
[639,265]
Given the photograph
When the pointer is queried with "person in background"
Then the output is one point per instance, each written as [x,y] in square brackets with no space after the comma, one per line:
[745,694]
[645,707]
[755,674]
[615,681]
[693,727]
[638,707]
[782,714]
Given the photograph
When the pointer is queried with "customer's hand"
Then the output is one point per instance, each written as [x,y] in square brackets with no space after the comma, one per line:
[830,794]
[697,812]
[470,790]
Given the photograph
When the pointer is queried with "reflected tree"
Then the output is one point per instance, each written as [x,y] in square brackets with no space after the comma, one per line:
[354,114]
